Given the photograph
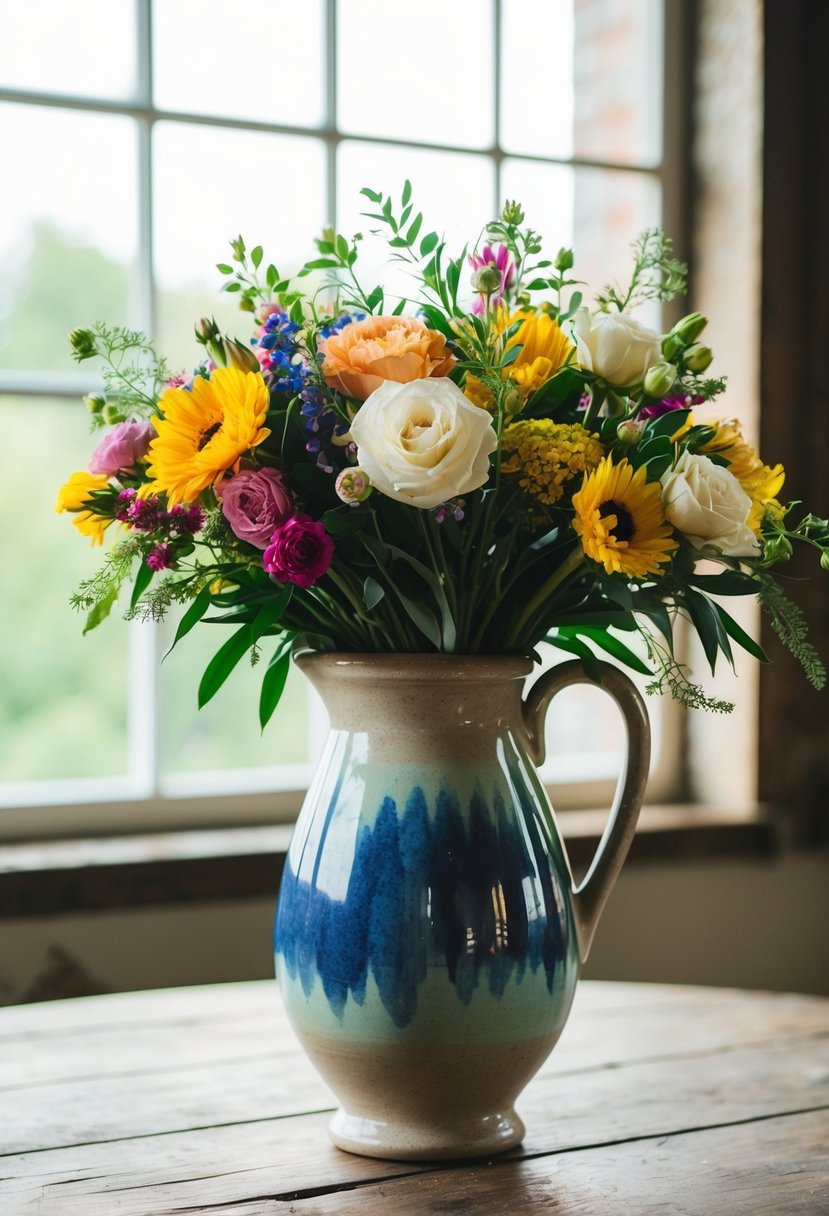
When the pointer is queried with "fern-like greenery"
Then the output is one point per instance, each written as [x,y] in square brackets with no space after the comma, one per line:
[789,624]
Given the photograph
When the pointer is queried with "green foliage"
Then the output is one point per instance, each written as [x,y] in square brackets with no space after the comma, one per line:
[657,274]
[789,624]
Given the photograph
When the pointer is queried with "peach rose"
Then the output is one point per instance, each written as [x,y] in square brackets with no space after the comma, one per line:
[362,356]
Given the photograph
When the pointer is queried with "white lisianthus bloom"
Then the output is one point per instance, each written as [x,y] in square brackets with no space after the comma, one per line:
[618,348]
[707,504]
[423,442]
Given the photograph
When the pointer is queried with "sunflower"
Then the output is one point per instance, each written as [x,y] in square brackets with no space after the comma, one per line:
[204,431]
[620,520]
[76,496]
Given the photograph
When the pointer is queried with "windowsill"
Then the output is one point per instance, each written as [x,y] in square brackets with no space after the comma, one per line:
[87,875]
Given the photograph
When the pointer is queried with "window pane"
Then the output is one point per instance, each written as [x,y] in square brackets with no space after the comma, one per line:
[68,225]
[457,214]
[197,45]
[598,95]
[226,733]
[63,697]
[537,77]
[212,184]
[419,72]
[596,212]
[86,48]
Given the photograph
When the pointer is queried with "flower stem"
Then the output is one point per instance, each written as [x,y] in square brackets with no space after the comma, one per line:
[570,565]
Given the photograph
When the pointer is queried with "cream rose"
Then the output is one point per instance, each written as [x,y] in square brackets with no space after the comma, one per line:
[422,442]
[707,504]
[618,348]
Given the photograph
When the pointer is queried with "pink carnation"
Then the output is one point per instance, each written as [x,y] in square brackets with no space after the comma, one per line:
[254,503]
[124,446]
[300,551]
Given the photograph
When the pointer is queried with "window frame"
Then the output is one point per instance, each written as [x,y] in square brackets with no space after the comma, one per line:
[104,806]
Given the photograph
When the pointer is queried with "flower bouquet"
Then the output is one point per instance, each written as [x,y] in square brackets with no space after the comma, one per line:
[477,469]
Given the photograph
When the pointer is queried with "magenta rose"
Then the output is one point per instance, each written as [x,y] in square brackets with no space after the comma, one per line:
[300,551]
[124,446]
[254,503]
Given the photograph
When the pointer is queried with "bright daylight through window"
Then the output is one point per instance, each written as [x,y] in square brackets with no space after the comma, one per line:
[136,152]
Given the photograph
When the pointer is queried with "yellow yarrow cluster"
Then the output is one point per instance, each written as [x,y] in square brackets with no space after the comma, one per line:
[545,455]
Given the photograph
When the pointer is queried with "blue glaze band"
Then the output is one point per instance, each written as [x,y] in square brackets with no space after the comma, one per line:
[473,891]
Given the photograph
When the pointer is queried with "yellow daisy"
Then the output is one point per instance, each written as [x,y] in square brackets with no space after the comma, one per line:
[620,520]
[74,496]
[761,482]
[545,349]
[204,432]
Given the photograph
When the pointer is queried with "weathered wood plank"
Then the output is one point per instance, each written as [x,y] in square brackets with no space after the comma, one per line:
[233,1165]
[776,1167]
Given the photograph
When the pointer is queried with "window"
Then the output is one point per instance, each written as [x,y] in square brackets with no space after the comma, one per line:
[143,137]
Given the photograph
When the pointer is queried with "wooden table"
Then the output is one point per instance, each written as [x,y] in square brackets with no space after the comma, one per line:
[657,1100]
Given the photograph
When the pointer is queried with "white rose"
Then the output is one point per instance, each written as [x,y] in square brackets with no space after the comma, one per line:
[618,348]
[708,505]
[423,442]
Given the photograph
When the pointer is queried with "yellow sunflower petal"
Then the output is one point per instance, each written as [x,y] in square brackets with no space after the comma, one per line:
[205,431]
[620,520]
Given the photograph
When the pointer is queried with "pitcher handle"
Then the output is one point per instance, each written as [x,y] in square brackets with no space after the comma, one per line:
[590,896]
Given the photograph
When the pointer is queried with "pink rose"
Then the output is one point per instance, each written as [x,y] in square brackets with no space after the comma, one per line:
[124,446]
[300,551]
[254,502]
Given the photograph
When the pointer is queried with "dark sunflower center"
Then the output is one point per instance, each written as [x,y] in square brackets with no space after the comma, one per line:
[207,435]
[623,529]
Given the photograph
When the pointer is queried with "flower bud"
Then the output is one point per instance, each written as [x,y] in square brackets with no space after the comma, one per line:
[513,402]
[659,379]
[672,345]
[699,358]
[206,330]
[341,438]
[237,355]
[564,260]
[630,431]
[690,327]
[513,213]
[111,414]
[353,486]
[82,342]
[486,280]
[95,402]
[777,548]
[237,249]
[824,559]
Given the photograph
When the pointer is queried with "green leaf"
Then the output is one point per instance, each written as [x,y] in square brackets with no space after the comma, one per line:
[372,593]
[228,655]
[374,196]
[223,268]
[428,244]
[341,248]
[256,256]
[709,627]
[233,286]
[730,582]
[740,636]
[668,424]
[374,299]
[407,192]
[606,641]
[414,228]
[142,581]
[582,651]
[273,682]
[101,611]
[191,617]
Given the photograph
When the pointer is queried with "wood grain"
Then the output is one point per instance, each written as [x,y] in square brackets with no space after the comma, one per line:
[198,1100]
